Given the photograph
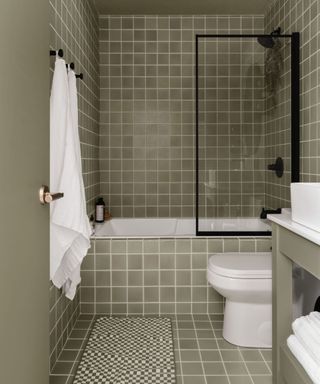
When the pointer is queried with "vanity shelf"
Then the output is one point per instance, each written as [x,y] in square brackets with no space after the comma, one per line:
[292,244]
[291,370]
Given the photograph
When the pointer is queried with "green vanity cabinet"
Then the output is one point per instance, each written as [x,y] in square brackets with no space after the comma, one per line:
[289,245]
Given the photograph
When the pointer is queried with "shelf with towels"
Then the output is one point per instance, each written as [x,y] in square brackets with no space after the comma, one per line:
[289,247]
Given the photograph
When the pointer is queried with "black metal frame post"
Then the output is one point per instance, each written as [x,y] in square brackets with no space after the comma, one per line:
[295,107]
[295,122]
[197,135]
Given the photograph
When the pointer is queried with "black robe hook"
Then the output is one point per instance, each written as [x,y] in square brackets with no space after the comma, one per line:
[54,53]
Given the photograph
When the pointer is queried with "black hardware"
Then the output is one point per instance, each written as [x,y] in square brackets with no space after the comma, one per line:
[54,53]
[269,42]
[197,134]
[295,107]
[72,66]
[276,32]
[317,305]
[277,167]
[265,212]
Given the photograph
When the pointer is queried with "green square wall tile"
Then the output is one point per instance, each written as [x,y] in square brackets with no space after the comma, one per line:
[167,246]
[151,246]
[118,246]
[135,246]
[167,278]
[102,278]
[135,261]
[151,278]
[167,261]
[101,246]
[231,245]
[103,294]
[183,294]
[119,261]
[151,261]
[215,245]
[119,295]
[183,261]
[102,261]
[199,245]
[135,278]
[119,278]
[167,294]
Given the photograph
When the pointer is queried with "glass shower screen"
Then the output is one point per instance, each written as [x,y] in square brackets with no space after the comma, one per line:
[245,95]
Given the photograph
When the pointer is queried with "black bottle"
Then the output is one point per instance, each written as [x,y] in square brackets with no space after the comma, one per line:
[100,208]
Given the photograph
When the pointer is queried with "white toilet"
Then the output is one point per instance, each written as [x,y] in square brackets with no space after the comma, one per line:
[245,280]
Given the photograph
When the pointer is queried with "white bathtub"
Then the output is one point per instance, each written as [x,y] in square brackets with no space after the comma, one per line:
[150,227]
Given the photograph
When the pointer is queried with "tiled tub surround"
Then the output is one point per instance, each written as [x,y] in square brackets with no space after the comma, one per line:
[155,276]
[147,104]
[74,28]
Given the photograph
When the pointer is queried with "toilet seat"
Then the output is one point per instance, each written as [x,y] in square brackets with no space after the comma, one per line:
[242,265]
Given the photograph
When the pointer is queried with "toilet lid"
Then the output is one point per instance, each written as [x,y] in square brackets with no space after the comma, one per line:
[242,265]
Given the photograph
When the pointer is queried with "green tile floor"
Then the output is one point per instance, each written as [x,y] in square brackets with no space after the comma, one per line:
[202,355]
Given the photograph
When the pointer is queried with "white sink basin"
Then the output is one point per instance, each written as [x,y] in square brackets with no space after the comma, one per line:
[305,203]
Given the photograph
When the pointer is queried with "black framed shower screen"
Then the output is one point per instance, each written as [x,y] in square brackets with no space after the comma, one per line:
[294,44]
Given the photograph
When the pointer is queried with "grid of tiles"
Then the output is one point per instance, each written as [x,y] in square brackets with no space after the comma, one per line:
[296,16]
[155,276]
[202,356]
[147,110]
[62,317]
[74,28]
[231,126]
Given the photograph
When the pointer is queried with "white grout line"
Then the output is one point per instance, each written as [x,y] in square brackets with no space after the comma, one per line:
[223,363]
[197,340]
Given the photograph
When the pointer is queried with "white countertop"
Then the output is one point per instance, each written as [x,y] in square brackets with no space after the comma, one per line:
[284,220]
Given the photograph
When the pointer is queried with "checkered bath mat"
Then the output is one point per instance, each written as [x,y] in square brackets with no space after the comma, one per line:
[128,350]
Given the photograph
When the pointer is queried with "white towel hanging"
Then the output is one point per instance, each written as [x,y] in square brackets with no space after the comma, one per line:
[70,228]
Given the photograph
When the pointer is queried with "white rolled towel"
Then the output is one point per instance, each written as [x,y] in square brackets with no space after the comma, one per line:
[314,318]
[308,336]
[304,358]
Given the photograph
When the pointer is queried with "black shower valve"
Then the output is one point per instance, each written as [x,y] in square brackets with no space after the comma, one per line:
[277,167]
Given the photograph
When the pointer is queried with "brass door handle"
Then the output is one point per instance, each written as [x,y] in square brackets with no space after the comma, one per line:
[46,197]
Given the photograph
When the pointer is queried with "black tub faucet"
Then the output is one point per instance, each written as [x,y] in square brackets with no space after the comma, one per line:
[265,212]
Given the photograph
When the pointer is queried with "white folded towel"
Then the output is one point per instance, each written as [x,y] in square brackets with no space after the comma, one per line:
[315,319]
[308,336]
[300,353]
[315,324]
[70,228]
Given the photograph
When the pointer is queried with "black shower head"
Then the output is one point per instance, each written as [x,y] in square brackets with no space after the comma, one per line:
[268,41]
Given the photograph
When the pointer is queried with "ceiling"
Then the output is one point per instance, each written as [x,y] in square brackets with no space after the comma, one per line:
[181,7]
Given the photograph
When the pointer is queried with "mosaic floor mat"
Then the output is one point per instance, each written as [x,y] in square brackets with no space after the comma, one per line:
[128,350]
